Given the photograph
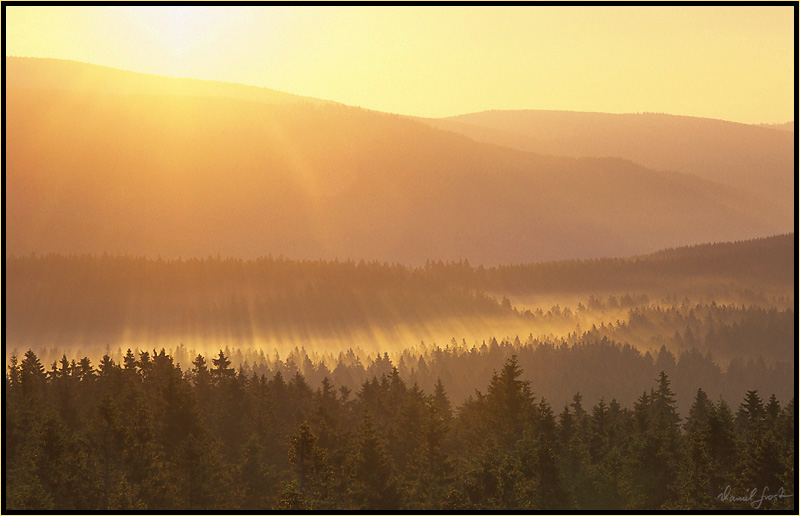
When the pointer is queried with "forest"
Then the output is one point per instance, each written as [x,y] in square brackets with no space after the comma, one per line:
[146,435]
[727,308]
[92,301]
[662,381]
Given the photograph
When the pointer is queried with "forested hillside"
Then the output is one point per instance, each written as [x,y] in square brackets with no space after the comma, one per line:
[721,312]
[721,298]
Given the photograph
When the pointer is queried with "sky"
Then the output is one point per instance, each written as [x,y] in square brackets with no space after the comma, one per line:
[731,63]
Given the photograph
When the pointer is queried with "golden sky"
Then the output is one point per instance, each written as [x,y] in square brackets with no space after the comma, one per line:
[732,63]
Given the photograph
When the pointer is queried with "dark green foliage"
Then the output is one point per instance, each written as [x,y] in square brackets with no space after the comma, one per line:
[370,475]
[256,477]
[143,435]
[222,368]
[31,376]
[291,499]
[510,403]
[311,461]
[656,447]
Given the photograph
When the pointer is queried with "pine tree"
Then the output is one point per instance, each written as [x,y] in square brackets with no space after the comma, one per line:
[566,426]
[109,375]
[442,401]
[696,489]
[205,483]
[750,417]
[256,477]
[48,476]
[222,369]
[302,452]
[772,410]
[150,482]
[371,475]
[63,393]
[145,364]
[85,371]
[510,403]
[109,435]
[762,464]
[431,470]
[130,370]
[200,375]
[666,416]
[291,499]
[545,476]
[14,372]
[327,414]
[722,448]
[656,450]
[32,375]
[786,435]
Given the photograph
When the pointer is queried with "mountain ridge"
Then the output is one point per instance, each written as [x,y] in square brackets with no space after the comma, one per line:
[199,175]
[21,62]
[71,75]
[750,157]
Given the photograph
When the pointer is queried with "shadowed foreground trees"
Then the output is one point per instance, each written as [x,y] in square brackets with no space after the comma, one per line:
[147,435]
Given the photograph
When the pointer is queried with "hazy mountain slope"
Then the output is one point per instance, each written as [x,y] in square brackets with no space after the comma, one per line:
[750,157]
[46,73]
[759,264]
[192,176]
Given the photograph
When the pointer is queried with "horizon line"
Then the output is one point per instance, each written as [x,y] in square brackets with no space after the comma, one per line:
[488,110]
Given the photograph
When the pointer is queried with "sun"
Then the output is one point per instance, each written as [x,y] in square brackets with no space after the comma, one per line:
[210,42]
[179,28]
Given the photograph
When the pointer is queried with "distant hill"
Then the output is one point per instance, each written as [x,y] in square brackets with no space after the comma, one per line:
[194,175]
[749,157]
[46,73]
[763,263]
[786,126]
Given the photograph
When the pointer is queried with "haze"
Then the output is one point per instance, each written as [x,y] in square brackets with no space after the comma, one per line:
[116,162]
[730,63]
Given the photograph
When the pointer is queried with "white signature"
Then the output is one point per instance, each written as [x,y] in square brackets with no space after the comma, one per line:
[755,503]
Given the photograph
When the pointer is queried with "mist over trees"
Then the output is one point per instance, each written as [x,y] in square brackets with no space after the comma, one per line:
[717,298]
[339,319]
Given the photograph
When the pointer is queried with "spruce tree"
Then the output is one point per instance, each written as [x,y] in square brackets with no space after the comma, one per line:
[371,475]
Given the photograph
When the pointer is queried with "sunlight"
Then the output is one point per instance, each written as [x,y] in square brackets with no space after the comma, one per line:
[182,29]
[436,61]
[183,34]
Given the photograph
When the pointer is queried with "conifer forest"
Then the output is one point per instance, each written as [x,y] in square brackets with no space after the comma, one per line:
[577,418]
